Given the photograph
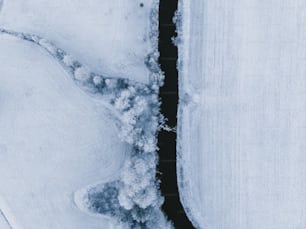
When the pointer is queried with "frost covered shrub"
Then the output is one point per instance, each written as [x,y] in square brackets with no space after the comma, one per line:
[138,186]
[151,62]
[105,201]
[138,201]
[177,20]
[140,118]
[139,191]
[81,74]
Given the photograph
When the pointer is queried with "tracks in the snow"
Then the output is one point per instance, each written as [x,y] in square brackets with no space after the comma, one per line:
[5,219]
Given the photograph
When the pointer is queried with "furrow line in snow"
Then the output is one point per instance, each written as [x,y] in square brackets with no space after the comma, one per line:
[7,215]
[5,219]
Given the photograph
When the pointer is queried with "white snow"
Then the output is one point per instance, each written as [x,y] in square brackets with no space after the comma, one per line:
[55,140]
[3,222]
[110,37]
[60,102]
[242,113]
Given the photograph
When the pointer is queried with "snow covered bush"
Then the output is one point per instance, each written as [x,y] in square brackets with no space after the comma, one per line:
[138,183]
[177,20]
[106,200]
[139,197]
[139,117]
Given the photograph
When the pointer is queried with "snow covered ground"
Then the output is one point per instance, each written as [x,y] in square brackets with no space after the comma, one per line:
[55,140]
[66,123]
[242,113]
[110,37]
[4,224]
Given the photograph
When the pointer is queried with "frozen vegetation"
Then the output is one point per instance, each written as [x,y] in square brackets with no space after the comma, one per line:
[85,146]
[242,114]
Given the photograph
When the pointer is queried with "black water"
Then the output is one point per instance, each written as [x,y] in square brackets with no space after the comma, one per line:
[169,97]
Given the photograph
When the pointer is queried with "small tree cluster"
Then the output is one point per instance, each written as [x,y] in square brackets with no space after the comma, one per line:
[105,200]
[139,193]
[139,118]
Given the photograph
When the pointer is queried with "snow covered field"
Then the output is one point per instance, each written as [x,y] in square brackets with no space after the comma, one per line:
[4,224]
[242,113]
[55,139]
[110,37]
[67,123]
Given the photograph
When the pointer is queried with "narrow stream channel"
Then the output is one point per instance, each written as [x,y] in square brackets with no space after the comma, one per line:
[169,98]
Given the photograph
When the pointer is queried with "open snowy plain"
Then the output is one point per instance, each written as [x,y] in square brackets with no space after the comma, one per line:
[59,130]
[242,113]
[110,37]
[55,140]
